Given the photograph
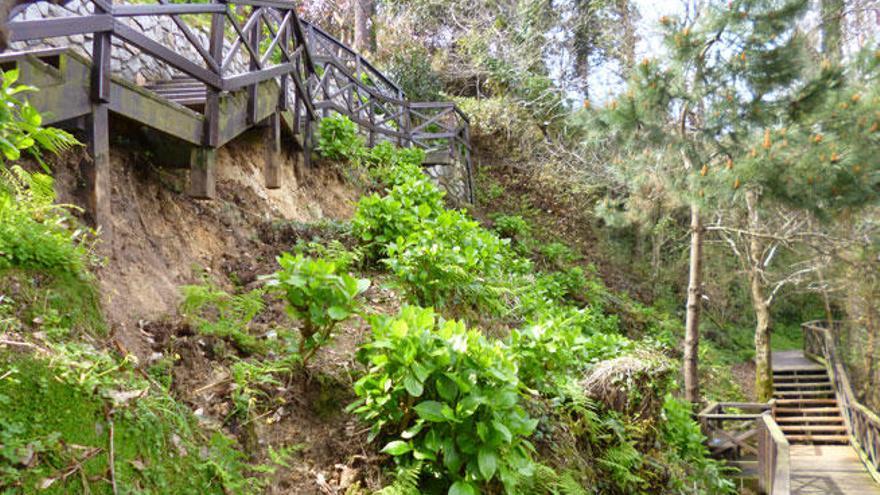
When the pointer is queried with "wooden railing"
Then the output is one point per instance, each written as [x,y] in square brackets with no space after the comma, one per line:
[862,424]
[325,74]
[774,459]
[348,84]
[746,436]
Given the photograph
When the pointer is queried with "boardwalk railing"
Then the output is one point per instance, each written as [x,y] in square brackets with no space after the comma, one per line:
[316,73]
[774,458]
[747,437]
[862,424]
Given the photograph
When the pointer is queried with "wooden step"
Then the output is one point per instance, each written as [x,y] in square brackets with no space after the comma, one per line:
[795,429]
[785,402]
[803,394]
[800,372]
[810,419]
[826,439]
[800,412]
[800,378]
[789,387]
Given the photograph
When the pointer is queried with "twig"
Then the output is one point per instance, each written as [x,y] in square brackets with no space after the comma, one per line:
[112,455]
[211,385]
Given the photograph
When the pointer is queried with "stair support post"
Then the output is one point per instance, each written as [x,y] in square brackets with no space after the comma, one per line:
[97,171]
[272,150]
[202,183]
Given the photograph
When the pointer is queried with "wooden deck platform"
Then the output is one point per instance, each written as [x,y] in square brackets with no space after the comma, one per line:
[829,470]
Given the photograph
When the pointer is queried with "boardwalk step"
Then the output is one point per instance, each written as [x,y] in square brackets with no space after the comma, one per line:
[791,394]
[802,386]
[807,411]
[828,439]
[800,378]
[795,429]
[785,402]
[810,419]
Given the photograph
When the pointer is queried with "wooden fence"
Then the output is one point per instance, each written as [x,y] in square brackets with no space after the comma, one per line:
[862,424]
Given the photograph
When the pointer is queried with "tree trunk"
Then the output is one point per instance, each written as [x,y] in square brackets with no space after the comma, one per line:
[363,10]
[763,356]
[694,303]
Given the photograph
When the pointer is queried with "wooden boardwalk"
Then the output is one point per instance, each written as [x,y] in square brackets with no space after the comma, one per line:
[829,470]
[823,469]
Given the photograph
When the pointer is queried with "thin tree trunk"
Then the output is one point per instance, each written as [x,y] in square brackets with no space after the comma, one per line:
[692,321]
[763,355]
[362,12]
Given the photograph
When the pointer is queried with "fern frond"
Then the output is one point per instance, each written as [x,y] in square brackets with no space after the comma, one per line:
[406,481]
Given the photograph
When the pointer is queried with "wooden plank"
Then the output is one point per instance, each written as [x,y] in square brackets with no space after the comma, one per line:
[65,26]
[830,469]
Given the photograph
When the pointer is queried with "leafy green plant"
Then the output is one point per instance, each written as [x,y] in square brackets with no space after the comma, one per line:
[557,255]
[380,220]
[452,260]
[21,125]
[318,295]
[513,227]
[392,166]
[564,344]
[682,433]
[338,139]
[212,311]
[445,396]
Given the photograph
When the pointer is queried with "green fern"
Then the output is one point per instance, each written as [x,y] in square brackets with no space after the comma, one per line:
[406,481]
[212,311]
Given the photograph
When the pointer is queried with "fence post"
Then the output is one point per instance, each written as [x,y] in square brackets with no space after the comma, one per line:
[255,37]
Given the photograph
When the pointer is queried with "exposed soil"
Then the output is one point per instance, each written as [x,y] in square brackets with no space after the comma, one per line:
[163,239]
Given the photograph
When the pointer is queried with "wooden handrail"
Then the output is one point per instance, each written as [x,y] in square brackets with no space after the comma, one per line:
[862,424]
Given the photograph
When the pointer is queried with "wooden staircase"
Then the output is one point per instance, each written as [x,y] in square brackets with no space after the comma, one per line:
[806,408]
[185,91]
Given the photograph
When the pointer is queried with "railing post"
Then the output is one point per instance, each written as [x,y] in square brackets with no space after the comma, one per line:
[405,122]
[254,39]
[97,171]
[371,114]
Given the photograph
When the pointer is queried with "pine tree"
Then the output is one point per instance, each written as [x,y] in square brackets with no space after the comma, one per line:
[714,120]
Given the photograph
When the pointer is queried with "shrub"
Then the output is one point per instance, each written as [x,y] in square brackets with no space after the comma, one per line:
[380,220]
[212,311]
[447,397]
[317,295]
[683,434]
[513,227]
[452,260]
[564,345]
[393,166]
[557,255]
[338,139]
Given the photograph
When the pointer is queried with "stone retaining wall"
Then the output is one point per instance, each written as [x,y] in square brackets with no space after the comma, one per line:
[128,61]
